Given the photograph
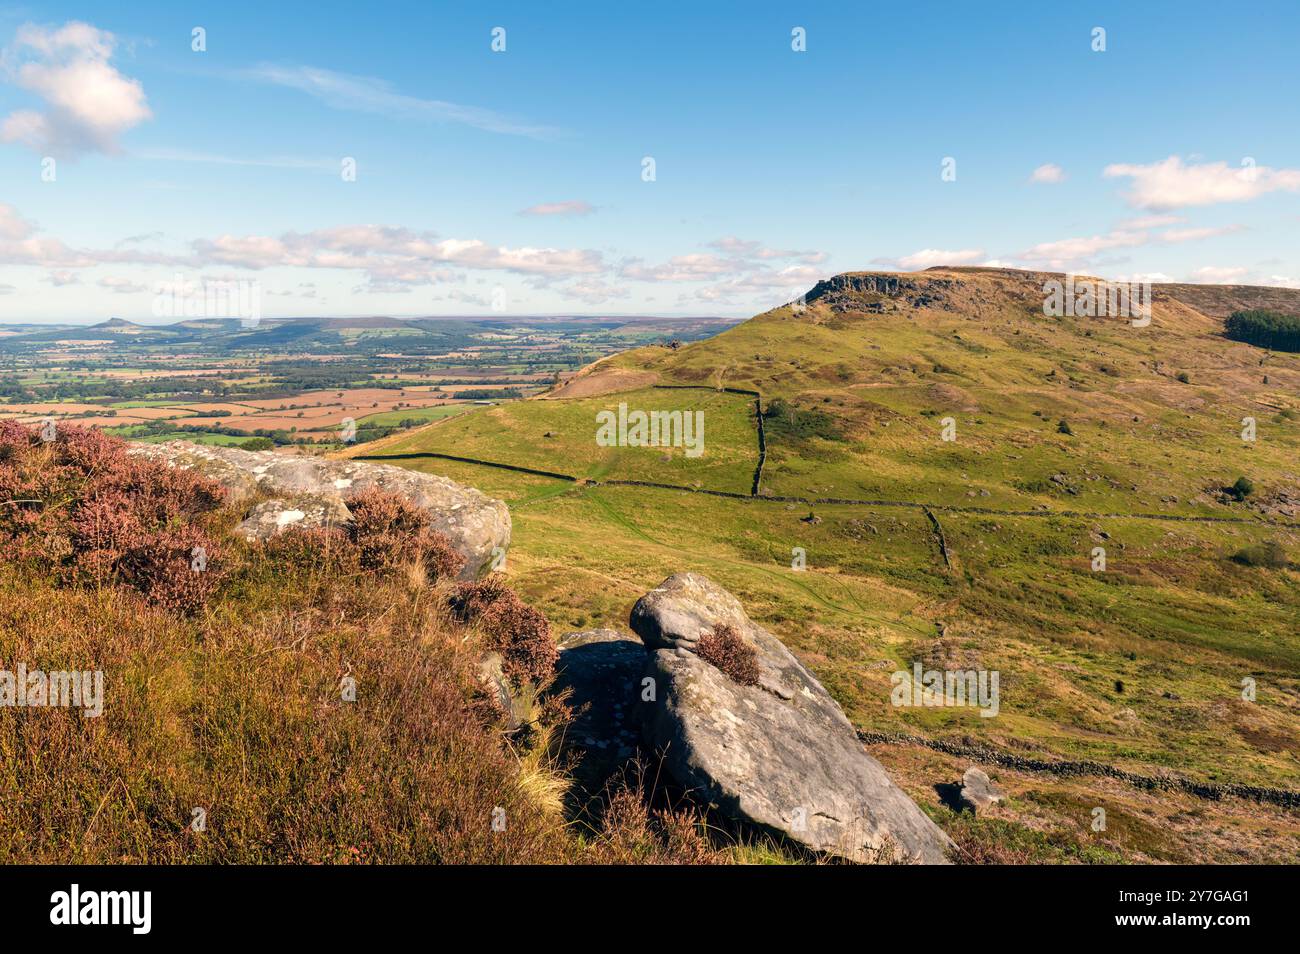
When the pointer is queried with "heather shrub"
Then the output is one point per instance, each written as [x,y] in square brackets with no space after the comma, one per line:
[79,506]
[518,632]
[171,567]
[388,531]
[726,649]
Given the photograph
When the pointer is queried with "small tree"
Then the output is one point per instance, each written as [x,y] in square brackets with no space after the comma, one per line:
[1242,488]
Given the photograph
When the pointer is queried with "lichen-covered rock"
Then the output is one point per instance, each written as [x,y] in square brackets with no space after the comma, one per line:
[477,525]
[780,755]
[272,517]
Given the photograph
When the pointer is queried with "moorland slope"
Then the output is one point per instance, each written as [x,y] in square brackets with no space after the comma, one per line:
[1102,530]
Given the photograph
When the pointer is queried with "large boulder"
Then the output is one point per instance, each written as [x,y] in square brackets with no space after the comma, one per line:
[780,754]
[313,491]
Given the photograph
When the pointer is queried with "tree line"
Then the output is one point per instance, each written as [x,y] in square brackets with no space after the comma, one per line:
[1266,329]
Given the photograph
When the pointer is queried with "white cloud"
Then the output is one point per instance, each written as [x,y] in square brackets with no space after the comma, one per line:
[1216,275]
[12,225]
[1169,184]
[1195,235]
[389,255]
[370,95]
[209,158]
[572,207]
[20,244]
[794,276]
[696,267]
[792,281]
[1048,172]
[122,286]
[1153,277]
[88,103]
[593,291]
[393,255]
[1067,252]
[747,249]
[930,257]
[1076,252]
[1150,222]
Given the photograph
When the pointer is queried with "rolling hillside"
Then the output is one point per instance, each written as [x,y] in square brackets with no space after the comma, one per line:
[1073,439]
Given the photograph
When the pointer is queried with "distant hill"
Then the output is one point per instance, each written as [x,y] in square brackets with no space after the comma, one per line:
[886,355]
[343,336]
[1219,301]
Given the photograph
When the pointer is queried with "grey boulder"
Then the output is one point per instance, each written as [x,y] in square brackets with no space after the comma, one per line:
[978,793]
[318,488]
[780,755]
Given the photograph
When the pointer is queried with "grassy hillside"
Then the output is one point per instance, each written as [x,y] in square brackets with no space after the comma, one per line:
[561,436]
[1139,666]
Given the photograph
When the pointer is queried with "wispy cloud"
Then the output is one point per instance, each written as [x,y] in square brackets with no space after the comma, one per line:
[274,162]
[749,249]
[930,257]
[1173,184]
[1049,173]
[1219,275]
[572,207]
[1081,251]
[593,291]
[122,286]
[368,94]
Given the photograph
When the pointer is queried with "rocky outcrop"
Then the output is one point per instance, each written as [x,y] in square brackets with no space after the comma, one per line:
[781,754]
[307,491]
[880,292]
[978,793]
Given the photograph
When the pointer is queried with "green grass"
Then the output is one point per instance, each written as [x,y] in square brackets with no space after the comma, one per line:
[135,432]
[393,418]
[561,436]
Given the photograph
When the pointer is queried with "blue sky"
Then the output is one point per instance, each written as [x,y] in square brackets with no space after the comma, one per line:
[515,178]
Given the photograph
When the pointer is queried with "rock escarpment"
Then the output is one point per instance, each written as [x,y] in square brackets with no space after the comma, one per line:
[881,292]
[779,755]
[303,491]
